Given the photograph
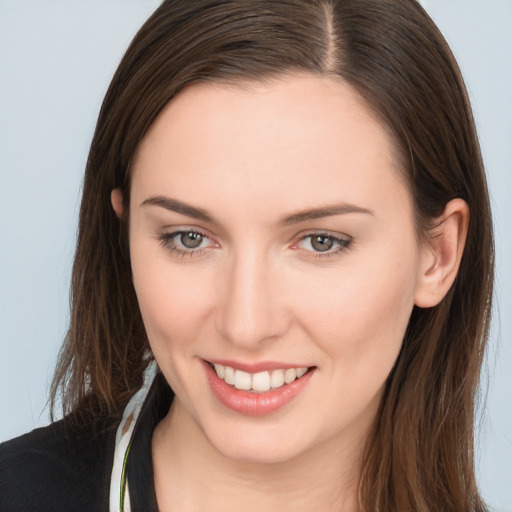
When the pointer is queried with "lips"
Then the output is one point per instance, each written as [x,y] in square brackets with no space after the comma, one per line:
[256,393]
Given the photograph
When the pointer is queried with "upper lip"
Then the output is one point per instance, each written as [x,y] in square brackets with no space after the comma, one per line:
[260,366]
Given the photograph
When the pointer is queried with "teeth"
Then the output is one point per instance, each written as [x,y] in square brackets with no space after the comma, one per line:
[220,370]
[242,380]
[290,375]
[258,382]
[261,381]
[229,375]
[277,379]
[301,372]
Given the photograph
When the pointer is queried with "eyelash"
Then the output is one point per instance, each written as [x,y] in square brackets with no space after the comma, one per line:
[342,243]
[166,241]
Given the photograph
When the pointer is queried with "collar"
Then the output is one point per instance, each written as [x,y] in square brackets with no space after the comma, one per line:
[131,482]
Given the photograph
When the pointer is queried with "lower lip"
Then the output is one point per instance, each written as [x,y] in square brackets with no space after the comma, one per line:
[254,404]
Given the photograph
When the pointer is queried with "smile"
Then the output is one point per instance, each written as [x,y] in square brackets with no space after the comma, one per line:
[258,382]
[263,391]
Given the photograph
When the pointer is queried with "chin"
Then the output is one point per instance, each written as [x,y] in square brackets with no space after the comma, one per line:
[259,444]
[258,452]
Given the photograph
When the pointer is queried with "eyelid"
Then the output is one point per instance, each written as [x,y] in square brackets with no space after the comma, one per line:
[344,241]
[321,232]
[165,238]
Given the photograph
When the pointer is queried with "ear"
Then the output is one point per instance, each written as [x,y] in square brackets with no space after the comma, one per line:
[116,198]
[441,254]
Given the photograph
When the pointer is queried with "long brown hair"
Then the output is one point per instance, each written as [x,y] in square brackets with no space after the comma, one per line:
[419,455]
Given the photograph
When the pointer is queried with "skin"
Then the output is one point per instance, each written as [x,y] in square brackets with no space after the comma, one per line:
[257,290]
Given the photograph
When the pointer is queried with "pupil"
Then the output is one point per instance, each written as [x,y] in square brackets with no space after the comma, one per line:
[191,240]
[322,243]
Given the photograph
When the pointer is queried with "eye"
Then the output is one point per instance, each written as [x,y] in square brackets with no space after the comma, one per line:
[324,244]
[185,242]
[191,240]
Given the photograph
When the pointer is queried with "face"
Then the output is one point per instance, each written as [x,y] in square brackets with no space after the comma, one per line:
[275,262]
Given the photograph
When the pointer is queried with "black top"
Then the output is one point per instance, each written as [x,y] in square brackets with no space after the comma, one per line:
[64,467]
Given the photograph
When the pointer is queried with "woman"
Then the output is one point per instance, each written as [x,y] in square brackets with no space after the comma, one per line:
[282,284]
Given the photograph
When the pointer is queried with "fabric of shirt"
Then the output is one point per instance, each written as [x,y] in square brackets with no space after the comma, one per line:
[68,467]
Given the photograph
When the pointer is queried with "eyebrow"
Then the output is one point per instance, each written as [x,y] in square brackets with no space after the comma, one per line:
[326,211]
[295,218]
[177,206]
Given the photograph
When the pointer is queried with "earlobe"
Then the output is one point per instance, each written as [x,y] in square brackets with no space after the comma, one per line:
[442,253]
[116,198]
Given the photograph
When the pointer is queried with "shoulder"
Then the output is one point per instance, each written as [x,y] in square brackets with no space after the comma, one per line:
[58,467]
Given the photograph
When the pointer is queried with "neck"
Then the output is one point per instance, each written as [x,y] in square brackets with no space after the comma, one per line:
[191,474]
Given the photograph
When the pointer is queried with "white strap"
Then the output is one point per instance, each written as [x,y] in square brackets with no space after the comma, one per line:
[119,500]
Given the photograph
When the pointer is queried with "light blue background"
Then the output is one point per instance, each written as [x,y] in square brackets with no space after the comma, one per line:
[56,60]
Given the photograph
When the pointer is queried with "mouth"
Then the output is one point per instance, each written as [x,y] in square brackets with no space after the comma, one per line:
[259,382]
[256,393]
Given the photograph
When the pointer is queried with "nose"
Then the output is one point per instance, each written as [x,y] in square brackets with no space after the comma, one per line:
[249,312]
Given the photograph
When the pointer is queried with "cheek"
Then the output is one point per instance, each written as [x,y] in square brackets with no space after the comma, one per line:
[173,303]
[359,314]
[359,326]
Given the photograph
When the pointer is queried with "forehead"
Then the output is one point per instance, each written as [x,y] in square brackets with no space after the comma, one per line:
[313,137]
